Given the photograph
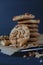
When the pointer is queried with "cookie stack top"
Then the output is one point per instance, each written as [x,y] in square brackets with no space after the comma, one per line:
[26,18]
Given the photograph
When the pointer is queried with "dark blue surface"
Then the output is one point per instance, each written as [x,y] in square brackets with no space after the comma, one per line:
[13,60]
[9,8]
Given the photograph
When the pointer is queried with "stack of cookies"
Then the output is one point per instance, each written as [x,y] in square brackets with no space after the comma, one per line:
[30,21]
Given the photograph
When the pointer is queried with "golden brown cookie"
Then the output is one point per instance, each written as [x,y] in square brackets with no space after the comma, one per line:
[34,30]
[31,25]
[33,39]
[30,21]
[22,17]
[34,34]
[19,35]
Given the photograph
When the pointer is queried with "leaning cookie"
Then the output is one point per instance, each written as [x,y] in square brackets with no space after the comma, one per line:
[19,35]
[22,17]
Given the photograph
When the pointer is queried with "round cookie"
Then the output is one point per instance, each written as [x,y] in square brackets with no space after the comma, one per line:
[19,35]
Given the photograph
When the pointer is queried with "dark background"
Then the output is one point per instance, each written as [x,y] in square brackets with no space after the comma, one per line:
[10,8]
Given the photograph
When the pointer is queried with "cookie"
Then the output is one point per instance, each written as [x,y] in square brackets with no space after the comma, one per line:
[33,39]
[19,35]
[34,30]
[31,25]
[30,21]
[22,17]
[35,34]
